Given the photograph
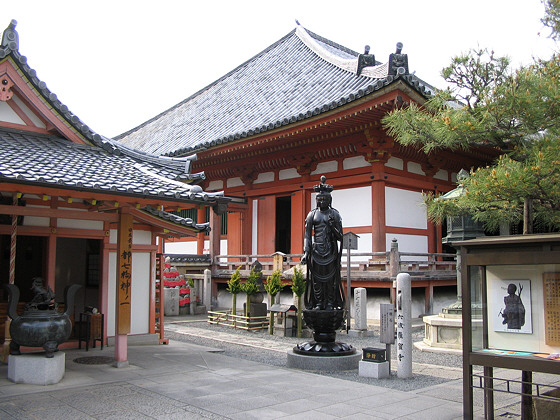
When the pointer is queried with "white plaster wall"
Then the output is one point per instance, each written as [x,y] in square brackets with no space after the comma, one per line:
[142,237]
[353,204]
[441,174]
[180,247]
[355,162]
[234,182]
[79,224]
[32,116]
[405,208]
[264,177]
[415,168]
[7,114]
[255,232]
[140,313]
[326,167]
[288,174]
[408,243]
[215,185]
[395,163]
[36,221]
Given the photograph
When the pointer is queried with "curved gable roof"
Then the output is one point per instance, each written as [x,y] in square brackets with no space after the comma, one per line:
[298,77]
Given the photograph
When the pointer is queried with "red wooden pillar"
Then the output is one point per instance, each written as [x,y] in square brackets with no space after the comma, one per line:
[266,225]
[201,218]
[378,224]
[215,229]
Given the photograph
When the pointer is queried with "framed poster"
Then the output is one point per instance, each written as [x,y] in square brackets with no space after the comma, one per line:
[512,300]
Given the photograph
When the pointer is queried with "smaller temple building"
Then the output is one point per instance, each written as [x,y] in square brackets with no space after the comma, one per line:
[79,208]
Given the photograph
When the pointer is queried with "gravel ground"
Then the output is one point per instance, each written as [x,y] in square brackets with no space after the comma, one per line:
[429,368]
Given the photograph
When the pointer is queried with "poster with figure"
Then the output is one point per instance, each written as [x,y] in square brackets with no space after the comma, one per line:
[512,299]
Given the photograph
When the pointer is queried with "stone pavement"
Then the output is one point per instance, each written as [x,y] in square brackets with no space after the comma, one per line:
[187,381]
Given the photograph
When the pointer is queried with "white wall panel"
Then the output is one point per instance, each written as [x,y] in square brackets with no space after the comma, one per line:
[395,163]
[189,247]
[325,167]
[288,174]
[264,177]
[408,243]
[353,204]
[355,162]
[404,208]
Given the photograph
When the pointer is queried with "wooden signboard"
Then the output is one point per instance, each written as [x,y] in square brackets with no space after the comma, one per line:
[124,274]
[551,283]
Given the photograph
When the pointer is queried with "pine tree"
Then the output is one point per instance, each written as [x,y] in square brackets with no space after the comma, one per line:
[516,113]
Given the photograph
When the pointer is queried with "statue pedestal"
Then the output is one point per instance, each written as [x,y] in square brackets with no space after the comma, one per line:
[334,363]
[36,369]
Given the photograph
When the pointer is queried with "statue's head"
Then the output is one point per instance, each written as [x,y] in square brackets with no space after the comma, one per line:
[324,198]
[512,288]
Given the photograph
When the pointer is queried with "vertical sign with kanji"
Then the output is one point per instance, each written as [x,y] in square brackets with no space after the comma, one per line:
[124,274]
[552,308]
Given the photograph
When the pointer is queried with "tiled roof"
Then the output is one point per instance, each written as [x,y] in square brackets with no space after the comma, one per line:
[37,159]
[170,217]
[300,76]
[10,47]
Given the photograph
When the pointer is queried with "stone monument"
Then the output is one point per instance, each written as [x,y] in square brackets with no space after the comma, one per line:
[360,314]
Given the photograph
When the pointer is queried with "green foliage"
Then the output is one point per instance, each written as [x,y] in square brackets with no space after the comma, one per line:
[496,194]
[516,113]
[250,287]
[234,285]
[552,17]
[190,282]
[298,282]
[274,284]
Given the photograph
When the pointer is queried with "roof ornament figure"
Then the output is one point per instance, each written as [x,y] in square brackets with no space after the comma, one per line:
[365,60]
[398,62]
[10,38]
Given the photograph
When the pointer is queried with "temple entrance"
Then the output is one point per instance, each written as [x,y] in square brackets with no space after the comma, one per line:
[30,262]
[283,224]
[78,261]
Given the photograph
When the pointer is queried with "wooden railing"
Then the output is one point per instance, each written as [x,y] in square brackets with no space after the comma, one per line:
[238,321]
[363,266]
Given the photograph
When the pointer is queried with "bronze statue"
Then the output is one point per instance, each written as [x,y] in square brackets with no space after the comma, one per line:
[322,253]
[324,295]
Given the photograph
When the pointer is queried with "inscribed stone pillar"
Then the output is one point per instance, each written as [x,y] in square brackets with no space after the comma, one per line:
[360,308]
[171,301]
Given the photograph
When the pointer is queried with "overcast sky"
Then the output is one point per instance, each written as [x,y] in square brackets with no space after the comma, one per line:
[117,63]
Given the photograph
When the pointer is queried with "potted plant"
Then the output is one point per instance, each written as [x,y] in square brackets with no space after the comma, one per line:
[234,286]
[273,286]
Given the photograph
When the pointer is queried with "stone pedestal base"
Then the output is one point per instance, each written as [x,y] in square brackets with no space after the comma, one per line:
[443,332]
[360,333]
[305,362]
[374,369]
[36,369]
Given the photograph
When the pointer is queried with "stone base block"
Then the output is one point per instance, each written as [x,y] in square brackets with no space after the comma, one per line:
[360,333]
[304,362]
[374,369]
[36,369]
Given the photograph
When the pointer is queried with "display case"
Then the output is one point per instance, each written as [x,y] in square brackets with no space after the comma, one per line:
[511,320]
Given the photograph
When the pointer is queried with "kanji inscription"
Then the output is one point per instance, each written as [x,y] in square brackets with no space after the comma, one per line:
[551,284]
[124,274]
